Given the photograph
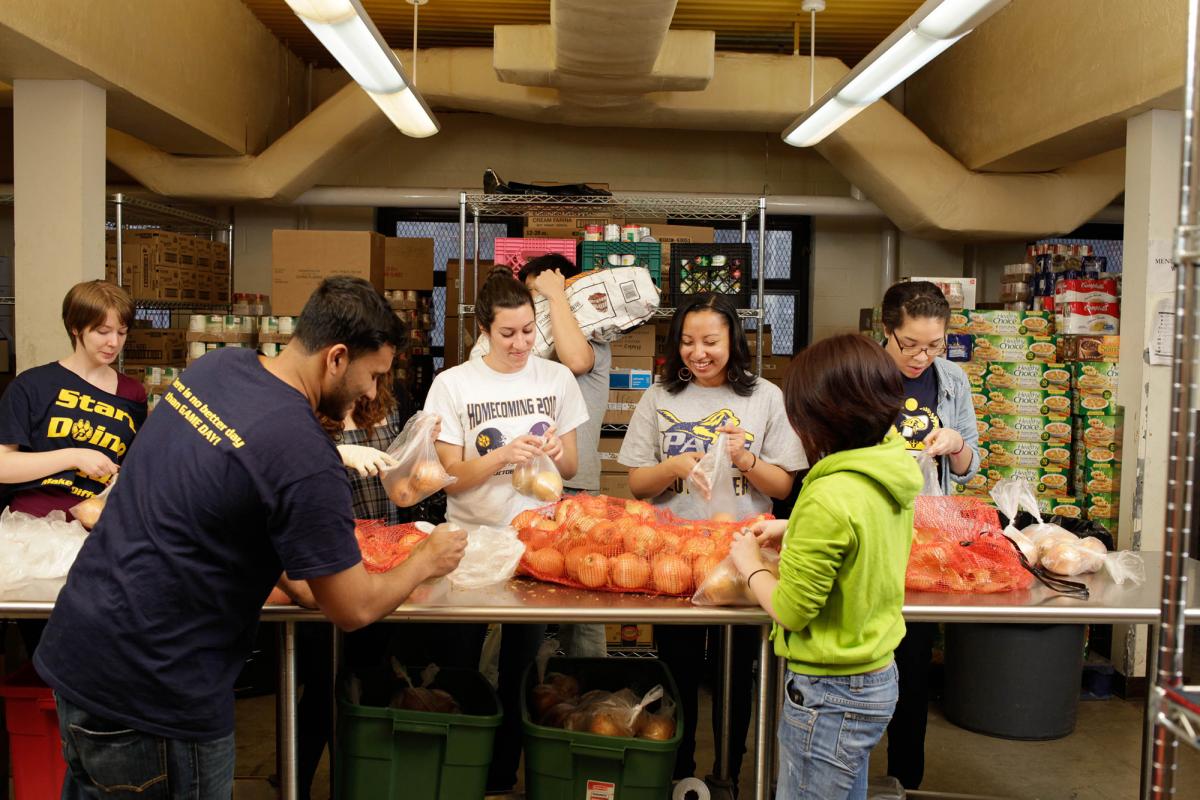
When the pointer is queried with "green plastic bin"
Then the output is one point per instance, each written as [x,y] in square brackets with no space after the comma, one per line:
[595,255]
[418,755]
[568,765]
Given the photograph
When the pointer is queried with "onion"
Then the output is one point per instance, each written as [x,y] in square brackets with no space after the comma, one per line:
[556,715]
[567,685]
[672,575]
[543,698]
[605,723]
[704,567]
[547,486]
[574,556]
[630,571]
[656,726]
[546,563]
[698,547]
[427,477]
[400,491]
[593,570]
[642,540]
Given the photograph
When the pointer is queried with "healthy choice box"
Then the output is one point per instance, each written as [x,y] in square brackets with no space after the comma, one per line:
[989,347]
[1044,481]
[1094,385]
[1026,375]
[1097,471]
[1016,428]
[1069,506]
[1100,431]
[1051,403]
[1009,323]
[1029,454]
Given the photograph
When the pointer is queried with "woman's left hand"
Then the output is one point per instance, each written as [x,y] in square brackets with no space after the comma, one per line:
[553,446]
[735,440]
[944,442]
[745,553]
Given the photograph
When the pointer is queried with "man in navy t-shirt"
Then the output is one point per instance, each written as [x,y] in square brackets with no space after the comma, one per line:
[230,483]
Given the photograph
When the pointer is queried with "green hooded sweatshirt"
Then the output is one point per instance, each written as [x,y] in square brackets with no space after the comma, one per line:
[841,582]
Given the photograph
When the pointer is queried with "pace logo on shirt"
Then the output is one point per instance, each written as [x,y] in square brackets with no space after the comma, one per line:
[916,422]
[695,437]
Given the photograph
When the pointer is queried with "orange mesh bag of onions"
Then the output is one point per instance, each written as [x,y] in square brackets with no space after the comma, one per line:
[617,545]
[384,547]
[958,548]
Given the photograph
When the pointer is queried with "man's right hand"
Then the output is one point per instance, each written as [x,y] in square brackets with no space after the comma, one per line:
[443,550]
[93,463]
[550,284]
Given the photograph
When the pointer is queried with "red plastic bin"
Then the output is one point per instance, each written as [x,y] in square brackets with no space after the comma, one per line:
[38,768]
[515,252]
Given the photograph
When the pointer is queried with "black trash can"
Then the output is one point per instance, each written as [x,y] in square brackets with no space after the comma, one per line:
[1014,681]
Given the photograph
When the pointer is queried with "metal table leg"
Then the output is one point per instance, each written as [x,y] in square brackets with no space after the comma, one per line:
[726,700]
[762,731]
[286,700]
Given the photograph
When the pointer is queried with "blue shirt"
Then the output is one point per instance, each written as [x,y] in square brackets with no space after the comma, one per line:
[230,481]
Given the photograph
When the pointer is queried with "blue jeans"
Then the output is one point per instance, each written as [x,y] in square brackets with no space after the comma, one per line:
[828,727]
[109,760]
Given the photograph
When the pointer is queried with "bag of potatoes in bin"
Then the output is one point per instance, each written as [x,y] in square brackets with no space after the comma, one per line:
[418,472]
[538,478]
[88,511]
[617,545]
[421,698]
[725,586]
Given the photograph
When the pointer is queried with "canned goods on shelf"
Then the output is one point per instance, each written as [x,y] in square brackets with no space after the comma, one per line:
[214,323]
[612,232]
[197,323]
[268,324]
[285,325]
[593,233]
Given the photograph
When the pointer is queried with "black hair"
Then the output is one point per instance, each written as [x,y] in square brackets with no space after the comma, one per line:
[737,371]
[349,311]
[914,300]
[500,290]
[550,261]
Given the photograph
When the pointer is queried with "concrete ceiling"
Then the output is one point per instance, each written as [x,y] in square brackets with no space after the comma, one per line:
[846,30]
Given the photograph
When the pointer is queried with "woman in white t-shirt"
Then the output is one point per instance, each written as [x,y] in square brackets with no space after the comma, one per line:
[708,389]
[499,411]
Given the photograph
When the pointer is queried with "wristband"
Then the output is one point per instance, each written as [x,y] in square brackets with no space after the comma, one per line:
[753,464]
[959,450]
[752,574]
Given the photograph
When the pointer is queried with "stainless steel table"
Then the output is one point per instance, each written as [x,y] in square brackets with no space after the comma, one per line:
[526,601]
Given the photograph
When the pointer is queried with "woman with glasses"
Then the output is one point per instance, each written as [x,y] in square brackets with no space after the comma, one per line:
[938,418]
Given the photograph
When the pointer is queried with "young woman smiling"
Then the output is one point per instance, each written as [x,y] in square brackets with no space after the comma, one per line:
[708,389]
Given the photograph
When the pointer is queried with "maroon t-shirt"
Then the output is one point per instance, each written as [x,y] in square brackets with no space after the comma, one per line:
[50,408]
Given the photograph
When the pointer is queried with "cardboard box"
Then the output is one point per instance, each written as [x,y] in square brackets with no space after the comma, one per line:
[1014,428]
[666,235]
[1009,323]
[967,285]
[629,637]
[452,283]
[1069,506]
[1103,506]
[565,226]
[1086,290]
[637,342]
[161,346]
[1096,470]
[1094,388]
[631,372]
[1089,348]
[300,260]
[774,369]
[1103,319]
[1094,432]
[621,403]
[1026,375]
[615,485]
[1029,454]
[1049,403]
[768,343]
[408,263]
[1046,482]
[609,448]
[989,347]
[450,352]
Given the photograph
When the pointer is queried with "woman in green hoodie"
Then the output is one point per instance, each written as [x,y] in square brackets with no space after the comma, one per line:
[837,602]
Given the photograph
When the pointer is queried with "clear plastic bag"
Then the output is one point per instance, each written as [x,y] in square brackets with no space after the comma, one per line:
[929,471]
[712,479]
[418,472]
[491,557]
[725,586]
[1125,565]
[538,478]
[1011,495]
[88,511]
[36,553]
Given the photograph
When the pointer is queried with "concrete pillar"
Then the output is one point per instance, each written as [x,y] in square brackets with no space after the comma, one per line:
[58,177]
[1152,162]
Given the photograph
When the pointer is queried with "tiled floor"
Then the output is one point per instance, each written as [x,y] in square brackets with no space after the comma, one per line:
[1099,761]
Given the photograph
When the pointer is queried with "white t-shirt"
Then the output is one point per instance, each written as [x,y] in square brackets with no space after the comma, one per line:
[482,410]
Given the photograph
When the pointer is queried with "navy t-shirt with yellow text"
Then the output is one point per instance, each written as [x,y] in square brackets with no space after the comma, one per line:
[231,481]
[918,416]
[51,408]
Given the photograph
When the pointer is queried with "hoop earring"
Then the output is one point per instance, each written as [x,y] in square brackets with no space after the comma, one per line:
[684,374]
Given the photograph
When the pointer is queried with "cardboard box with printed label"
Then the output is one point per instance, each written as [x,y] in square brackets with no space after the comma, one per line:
[621,403]
[1069,506]
[452,283]
[1051,482]
[1094,385]
[408,263]
[774,369]
[1037,455]
[637,342]
[1049,403]
[609,448]
[163,346]
[450,352]
[631,372]
[1025,375]
[1013,348]
[1014,428]
[615,485]
[1089,348]
[1101,319]
[752,343]
[1009,323]
[666,235]
[300,260]
[629,636]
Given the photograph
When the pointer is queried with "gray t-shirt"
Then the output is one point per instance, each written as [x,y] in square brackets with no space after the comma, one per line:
[666,425]
[593,386]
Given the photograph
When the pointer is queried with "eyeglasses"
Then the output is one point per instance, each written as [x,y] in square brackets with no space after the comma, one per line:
[932,351]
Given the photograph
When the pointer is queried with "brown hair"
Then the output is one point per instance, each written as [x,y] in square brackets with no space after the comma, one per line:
[914,300]
[842,393]
[500,290]
[87,304]
[367,413]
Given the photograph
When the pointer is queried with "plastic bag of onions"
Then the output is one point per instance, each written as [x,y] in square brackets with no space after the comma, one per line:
[538,478]
[418,472]
[88,511]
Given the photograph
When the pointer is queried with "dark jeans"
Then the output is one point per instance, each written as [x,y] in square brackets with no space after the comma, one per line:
[906,731]
[108,760]
[683,649]
[518,649]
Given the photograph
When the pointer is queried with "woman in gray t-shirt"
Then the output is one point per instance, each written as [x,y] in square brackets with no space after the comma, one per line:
[708,389]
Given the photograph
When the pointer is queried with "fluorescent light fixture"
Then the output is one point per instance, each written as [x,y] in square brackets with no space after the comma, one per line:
[350,36]
[826,118]
[408,112]
[929,32]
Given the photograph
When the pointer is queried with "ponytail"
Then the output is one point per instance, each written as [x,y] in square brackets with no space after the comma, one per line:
[500,290]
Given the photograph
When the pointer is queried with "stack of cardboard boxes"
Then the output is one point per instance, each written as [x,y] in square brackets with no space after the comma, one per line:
[160,266]
[633,368]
